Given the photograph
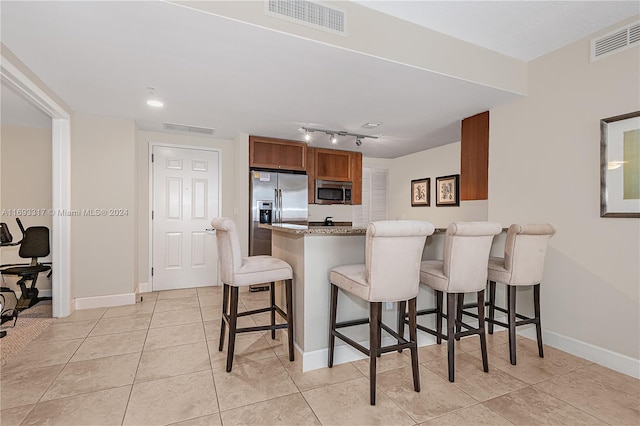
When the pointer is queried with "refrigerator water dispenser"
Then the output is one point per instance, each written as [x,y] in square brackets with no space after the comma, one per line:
[265,208]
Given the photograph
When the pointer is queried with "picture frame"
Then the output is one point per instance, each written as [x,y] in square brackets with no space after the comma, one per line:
[448,191]
[620,166]
[421,192]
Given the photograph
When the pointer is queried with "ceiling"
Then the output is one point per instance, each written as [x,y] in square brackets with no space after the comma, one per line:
[210,71]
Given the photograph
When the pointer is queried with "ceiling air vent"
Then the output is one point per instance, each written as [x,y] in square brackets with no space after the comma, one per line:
[309,13]
[188,129]
[615,41]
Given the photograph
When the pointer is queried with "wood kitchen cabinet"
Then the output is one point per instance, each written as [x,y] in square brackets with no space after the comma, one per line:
[474,158]
[280,154]
[356,172]
[311,174]
[333,164]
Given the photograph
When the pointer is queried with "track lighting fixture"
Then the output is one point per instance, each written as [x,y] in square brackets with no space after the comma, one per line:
[333,134]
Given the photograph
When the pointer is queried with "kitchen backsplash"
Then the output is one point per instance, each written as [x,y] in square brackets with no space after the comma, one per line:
[339,212]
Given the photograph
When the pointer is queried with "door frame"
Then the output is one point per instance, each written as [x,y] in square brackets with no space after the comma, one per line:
[60,180]
[150,188]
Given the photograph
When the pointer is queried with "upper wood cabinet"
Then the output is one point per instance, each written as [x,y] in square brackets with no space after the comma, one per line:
[474,158]
[356,173]
[280,154]
[332,164]
[311,174]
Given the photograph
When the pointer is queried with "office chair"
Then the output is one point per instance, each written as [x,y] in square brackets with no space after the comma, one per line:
[34,244]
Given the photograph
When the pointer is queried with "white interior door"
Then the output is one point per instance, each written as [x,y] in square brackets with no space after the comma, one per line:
[186,188]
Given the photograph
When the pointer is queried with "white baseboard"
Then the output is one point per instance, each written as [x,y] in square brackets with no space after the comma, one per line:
[143,288]
[605,357]
[105,301]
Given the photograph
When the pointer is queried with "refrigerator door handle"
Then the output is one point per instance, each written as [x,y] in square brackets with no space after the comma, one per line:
[275,206]
[280,205]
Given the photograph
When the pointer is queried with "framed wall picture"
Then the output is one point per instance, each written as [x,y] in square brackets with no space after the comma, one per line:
[620,166]
[448,190]
[421,192]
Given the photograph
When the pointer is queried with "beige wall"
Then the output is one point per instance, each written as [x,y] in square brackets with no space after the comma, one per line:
[241,211]
[544,166]
[144,139]
[25,184]
[103,177]
[441,161]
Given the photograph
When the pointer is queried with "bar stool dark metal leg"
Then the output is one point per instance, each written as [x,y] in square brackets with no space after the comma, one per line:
[272,301]
[289,294]
[459,307]
[483,337]
[333,309]
[225,312]
[451,309]
[511,322]
[439,297]
[536,307]
[402,314]
[374,332]
[413,337]
[492,305]
[233,322]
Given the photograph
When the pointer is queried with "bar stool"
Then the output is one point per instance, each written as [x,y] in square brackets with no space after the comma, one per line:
[522,265]
[237,271]
[462,270]
[391,273]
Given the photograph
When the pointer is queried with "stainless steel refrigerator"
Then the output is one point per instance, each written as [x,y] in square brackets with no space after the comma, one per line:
[276,197]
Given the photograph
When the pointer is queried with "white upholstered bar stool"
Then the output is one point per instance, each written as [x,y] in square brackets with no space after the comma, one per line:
[522,265]
[391,273]
[237,271]
[462,270]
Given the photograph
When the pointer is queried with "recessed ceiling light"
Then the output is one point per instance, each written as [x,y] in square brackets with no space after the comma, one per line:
[155,103]
[370,125]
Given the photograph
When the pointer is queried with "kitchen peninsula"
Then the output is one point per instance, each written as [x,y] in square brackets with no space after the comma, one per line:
[312,251]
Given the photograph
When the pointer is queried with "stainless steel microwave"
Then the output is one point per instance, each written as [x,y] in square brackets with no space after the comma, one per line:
[332,192]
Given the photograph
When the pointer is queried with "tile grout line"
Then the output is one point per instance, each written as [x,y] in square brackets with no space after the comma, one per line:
[133,382]
[213,378]
[563,400]
[35,404]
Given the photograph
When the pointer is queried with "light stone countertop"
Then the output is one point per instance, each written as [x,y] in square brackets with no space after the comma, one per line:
[290,228]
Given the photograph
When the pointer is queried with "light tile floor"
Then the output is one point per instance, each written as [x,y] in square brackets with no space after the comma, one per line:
[157,362]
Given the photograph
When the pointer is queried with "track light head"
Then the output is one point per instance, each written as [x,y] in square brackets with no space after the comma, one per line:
[358,141]
[333,138]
